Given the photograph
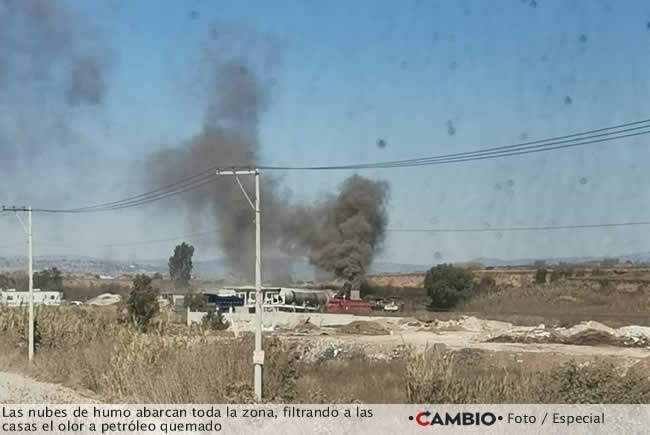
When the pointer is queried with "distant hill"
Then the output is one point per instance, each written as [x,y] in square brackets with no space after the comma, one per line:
[299,270]
[275,268]
[641,258]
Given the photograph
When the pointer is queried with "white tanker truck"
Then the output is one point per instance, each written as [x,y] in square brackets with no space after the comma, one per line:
[302,299]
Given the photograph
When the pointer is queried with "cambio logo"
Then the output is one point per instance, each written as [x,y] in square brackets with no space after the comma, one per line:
[427,418]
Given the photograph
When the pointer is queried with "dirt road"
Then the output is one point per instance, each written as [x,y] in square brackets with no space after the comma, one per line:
[16,388]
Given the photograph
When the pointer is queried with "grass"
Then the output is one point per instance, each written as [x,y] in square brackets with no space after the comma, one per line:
[440,376]
[566,302]
[90,351]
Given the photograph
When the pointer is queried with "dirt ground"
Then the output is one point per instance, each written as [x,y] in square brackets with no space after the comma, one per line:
[538,345]
[15,388]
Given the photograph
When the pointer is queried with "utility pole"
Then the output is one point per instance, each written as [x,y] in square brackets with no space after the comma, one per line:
[30,271]
[258,354]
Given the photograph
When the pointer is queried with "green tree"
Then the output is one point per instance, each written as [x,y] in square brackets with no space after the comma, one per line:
[180,265]
[447,285]
[196,302]
[214,320]
[142,304]
[49,279]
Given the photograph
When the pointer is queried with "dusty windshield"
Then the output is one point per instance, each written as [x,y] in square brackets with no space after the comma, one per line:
[403,163]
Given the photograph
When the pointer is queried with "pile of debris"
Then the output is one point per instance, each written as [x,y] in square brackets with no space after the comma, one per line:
[359,327]
[305,327]
[327,350]
[586,333]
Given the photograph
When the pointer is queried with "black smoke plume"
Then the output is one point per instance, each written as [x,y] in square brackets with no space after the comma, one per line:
[340,234]
[51,64]
[343,232]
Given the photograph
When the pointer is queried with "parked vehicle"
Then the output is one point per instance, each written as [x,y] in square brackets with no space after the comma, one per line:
[342,305]
[391,307]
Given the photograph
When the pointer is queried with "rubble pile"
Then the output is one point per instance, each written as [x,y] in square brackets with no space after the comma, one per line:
[585,333]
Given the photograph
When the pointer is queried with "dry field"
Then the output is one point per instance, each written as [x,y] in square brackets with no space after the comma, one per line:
[387,361]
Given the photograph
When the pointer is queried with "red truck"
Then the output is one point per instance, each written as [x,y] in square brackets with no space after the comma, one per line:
[342,305]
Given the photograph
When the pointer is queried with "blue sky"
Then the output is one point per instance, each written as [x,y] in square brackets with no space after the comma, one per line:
[354,72]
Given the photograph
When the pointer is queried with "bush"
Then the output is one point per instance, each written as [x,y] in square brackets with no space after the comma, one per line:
[281,371]
[214,320]
[441,376]
[467,376]
[540,276]
[447,285]
[485,285]
[142,304]
[49,279]
[196,302]
[561,271]
[593,383]
[17,280]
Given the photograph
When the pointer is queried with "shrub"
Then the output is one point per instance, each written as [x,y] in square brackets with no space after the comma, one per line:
[142,304]
[214,320]
[593,383]
[485,285]
[467,376]
[561,271]
[447,285]
[17,280]
[281,371]
[196,302]
[49,279]
[540,276]
[441,376]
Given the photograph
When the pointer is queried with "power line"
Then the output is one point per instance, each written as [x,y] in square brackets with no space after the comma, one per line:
[590,137]
[126,243]
[141,200]
[508,229]
[392,230]
[560,142]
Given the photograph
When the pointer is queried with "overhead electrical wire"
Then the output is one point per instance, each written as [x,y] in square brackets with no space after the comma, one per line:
[145,198]
[390,230]
[590,137]
[510,229]
[188,236]
[559,142]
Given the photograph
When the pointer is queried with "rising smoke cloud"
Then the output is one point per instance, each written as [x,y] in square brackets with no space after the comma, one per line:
[344,232]
[339,234]
[51,63]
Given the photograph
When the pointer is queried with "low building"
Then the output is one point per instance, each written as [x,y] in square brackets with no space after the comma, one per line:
[13,298]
